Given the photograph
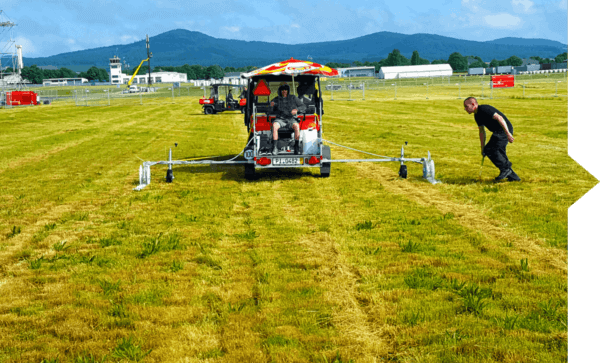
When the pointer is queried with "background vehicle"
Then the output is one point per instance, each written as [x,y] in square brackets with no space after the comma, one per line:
[218,102]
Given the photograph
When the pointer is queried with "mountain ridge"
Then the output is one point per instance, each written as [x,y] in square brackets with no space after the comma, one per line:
[180,46]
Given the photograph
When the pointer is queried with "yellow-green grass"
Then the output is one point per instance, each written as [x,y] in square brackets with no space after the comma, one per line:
[361,266]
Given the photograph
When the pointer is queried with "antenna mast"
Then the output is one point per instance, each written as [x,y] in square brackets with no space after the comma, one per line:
[6,48]
[149,56]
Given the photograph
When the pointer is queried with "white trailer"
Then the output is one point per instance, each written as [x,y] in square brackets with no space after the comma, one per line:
[425,70]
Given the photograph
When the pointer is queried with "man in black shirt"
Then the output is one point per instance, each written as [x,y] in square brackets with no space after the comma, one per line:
[489,117]
[286,107]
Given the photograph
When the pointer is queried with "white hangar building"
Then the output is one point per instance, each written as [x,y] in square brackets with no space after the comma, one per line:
[424,70]
[118,77]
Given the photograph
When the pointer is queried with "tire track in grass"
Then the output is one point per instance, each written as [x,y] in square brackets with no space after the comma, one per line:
[468,216]
[332,275]
[238,337]
[340,281]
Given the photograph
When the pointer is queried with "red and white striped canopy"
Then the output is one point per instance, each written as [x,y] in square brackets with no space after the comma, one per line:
[293,67]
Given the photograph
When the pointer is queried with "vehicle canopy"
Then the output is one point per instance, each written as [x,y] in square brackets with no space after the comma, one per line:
[293,67]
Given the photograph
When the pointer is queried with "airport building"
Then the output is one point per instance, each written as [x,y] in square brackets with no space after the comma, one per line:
[118,77]
[357,72]
[425,70]
[64,81]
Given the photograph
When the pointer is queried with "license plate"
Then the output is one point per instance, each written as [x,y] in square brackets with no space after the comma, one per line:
[287,161]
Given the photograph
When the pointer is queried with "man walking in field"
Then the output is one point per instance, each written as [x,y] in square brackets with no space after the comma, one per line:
[489,117]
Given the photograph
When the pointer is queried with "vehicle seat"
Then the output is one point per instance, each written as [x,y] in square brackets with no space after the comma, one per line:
[311,109]
[263,107]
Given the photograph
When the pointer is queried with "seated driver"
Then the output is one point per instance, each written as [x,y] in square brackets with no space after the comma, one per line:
[229,98]
[286,107]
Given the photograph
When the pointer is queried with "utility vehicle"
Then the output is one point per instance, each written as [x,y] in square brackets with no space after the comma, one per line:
[219,100]
[259,121]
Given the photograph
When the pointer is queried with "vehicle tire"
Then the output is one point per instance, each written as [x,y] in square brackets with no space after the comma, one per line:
[403,171]
[209,110]
[249,171]
[326,167]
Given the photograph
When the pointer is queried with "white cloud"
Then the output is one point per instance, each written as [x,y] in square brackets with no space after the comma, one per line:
[503,20]
[472,4]
[27,46]
[127,39]
[526,6]
[232,29]
[563,5]
[70,41]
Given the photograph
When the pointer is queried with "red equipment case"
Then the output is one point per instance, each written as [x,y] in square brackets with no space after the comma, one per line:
[503,81]
[18,98]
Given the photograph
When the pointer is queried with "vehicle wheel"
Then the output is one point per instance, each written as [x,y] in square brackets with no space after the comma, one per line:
[208,110]
[249,171]
[403,173]
[326,167]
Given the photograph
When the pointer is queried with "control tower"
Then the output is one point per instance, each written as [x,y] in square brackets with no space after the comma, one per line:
[116,75]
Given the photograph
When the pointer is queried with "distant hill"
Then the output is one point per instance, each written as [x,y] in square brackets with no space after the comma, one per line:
[529,42]
[179,47]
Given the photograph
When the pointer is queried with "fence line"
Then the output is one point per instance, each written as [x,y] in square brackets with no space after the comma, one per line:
[455,87]
[424,89]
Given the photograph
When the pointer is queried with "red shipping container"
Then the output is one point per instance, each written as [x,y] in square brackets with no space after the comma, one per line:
[503,81]
[18,98]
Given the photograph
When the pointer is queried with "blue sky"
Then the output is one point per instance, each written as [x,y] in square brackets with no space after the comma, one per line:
[51,27]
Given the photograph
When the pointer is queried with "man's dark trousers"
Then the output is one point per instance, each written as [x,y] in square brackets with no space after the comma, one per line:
[495,150]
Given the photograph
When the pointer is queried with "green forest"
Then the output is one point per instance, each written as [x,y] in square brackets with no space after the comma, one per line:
[457,61]
[37,75]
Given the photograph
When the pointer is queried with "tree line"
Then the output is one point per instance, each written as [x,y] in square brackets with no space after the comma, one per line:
[37,75]
[457,61]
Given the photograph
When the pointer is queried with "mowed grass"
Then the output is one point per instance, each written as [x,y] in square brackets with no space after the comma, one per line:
[359,267]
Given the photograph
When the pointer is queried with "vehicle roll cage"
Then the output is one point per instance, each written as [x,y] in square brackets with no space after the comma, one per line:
[292,81]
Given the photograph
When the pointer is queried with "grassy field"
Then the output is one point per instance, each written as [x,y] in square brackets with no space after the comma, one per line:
[359,267]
